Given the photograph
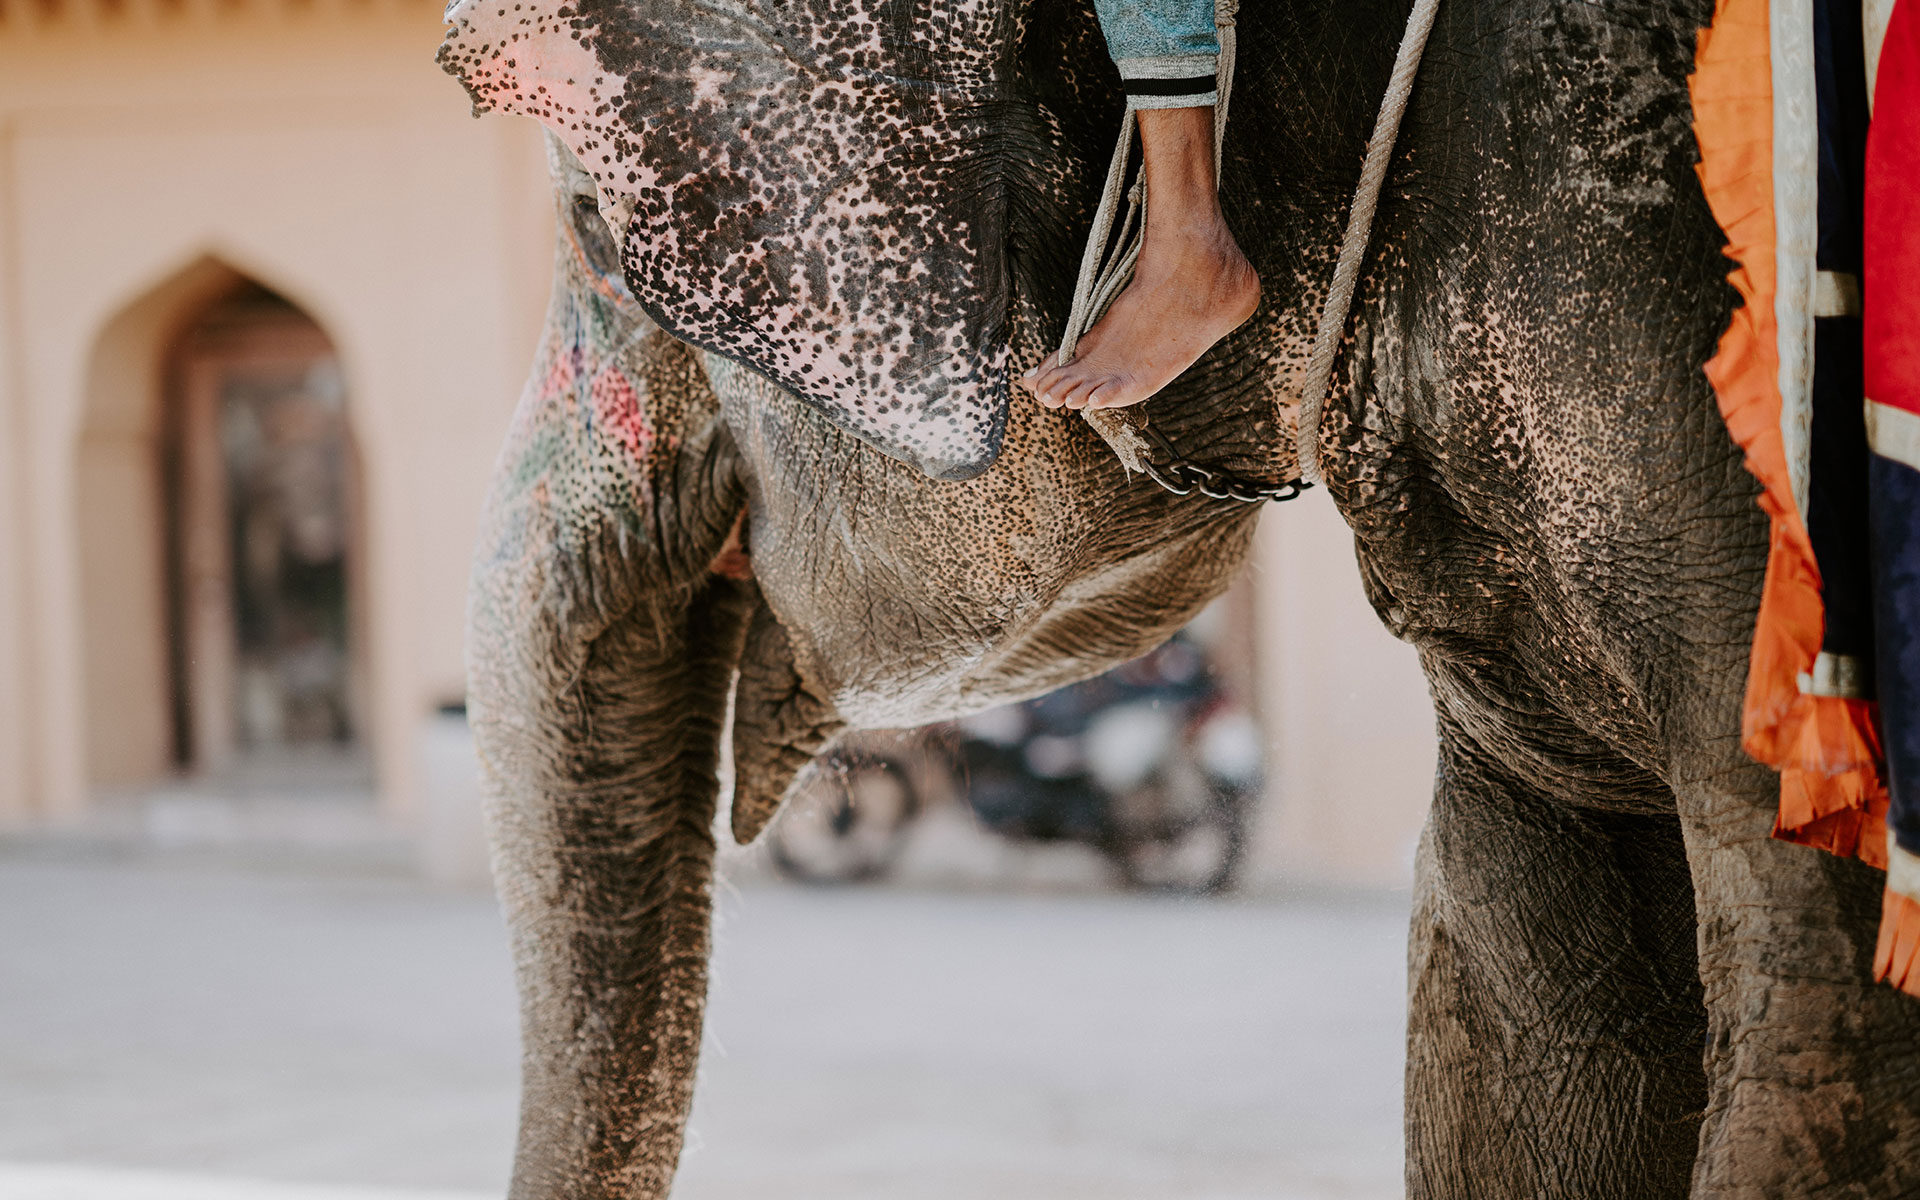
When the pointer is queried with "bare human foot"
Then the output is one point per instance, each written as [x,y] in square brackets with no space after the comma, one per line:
[1191,288]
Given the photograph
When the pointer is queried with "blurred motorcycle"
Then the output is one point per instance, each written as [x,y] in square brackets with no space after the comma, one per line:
[1151,764]
[848,824]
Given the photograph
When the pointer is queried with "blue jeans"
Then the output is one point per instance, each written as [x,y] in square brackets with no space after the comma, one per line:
[1166,49]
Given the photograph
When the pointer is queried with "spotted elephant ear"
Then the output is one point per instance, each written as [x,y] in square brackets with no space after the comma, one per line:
[807,188]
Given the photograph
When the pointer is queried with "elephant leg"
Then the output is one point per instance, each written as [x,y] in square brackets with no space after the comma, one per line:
[1814,1069]
[1555,1026]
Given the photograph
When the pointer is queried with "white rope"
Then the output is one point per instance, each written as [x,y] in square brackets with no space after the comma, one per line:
[1353,248]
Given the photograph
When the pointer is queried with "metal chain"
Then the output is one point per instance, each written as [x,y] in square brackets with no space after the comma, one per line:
[1183,477]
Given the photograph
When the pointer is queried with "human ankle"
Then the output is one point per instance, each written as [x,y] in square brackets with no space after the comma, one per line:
[1177,145]
[1188,225]
[1190,237]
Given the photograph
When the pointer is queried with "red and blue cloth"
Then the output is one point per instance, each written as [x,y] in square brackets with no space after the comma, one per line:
[1891,385]
[1833,689]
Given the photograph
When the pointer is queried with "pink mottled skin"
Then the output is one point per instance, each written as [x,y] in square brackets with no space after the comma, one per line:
[1191,288]
[617,407]
[811,300]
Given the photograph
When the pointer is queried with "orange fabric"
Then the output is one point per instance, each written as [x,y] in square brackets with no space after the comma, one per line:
[1826,748]
[1831,791]
[1897,961]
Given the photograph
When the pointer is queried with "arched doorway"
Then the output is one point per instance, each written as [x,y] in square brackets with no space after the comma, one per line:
[219,521]
[262,520]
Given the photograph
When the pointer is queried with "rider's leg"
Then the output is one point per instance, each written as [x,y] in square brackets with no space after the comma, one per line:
[1192,285]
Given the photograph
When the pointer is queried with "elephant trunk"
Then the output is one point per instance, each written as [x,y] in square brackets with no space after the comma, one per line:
[602,643]
[611,601]
[602,826]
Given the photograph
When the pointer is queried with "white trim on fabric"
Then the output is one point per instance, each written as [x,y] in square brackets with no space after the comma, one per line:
[1894,433]
[1874,15]
[1197,100]
[1836,294]
[1903,869]
[1796,212]
[1169,66]
[1841,675]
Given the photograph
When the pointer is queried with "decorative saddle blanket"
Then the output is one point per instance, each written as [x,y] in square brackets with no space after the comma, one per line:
[1808,117]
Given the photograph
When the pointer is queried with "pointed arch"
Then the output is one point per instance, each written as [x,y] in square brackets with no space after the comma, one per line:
[161,651]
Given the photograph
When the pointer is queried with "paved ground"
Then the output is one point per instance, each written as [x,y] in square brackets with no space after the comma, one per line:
[182,1030]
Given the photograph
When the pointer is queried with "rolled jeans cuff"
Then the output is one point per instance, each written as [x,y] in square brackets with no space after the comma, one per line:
[1169,80]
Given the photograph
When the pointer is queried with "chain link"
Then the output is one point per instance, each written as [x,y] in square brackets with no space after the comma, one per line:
[1182,478]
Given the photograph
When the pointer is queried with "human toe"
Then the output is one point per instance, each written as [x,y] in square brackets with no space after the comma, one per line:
[1077,393]
[1051,384]
[1032,374]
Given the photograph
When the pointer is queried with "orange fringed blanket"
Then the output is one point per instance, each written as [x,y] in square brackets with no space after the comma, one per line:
[1782,375]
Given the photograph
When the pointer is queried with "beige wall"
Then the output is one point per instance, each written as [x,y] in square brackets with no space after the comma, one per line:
[15,731]
[1349,728]
[321,153]
[120,527]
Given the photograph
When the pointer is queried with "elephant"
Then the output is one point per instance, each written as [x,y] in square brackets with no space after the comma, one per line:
[768,478]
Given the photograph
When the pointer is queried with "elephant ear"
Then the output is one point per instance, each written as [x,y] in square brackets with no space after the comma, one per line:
[807,188]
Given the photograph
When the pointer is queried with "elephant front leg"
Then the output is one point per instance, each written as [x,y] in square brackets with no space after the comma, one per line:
[1814,1068]
[1554,1026]
[601,765]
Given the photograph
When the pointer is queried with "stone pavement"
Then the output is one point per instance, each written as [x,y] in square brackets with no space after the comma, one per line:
[217,1030]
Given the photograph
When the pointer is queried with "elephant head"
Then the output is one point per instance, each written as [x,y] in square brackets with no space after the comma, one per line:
[818,194]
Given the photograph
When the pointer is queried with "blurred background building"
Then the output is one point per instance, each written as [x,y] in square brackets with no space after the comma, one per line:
[267,294]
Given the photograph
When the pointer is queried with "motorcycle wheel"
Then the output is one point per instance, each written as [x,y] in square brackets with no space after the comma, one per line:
[1195,856]
[849,825]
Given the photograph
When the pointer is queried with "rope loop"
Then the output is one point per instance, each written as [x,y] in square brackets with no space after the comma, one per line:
[1105,272]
